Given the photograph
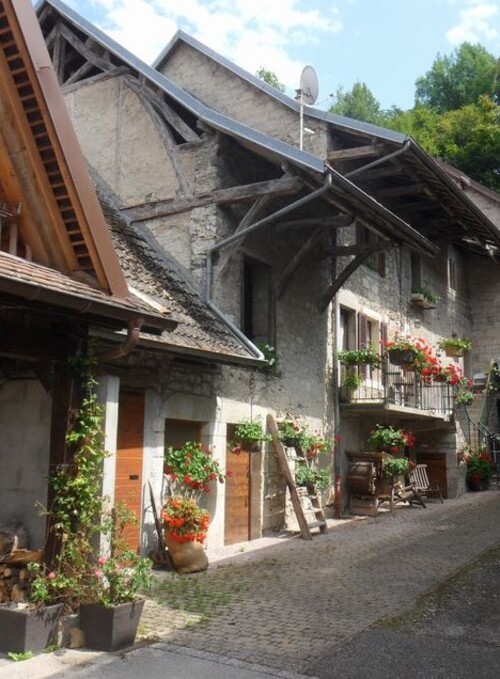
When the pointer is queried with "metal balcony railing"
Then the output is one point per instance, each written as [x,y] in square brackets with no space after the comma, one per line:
[405,388]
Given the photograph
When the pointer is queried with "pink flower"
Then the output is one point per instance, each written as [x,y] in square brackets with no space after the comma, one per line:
[51,575]
[98,573]
[102,560]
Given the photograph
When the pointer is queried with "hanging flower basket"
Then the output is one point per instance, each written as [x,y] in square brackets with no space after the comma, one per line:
[401,357]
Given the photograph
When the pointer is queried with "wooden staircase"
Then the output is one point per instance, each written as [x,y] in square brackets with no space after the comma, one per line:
[306,501]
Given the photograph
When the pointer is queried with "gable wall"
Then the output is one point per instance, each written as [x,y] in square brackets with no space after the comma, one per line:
[120,141]
[222,90]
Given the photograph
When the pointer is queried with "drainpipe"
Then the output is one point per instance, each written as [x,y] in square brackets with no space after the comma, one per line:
[241,234]
[254,227]
[379,161]
[128,345]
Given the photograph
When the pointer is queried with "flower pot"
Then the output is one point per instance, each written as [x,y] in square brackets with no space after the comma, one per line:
[454,352]
[251,446]
[402,357]
[186,557]
[28,629]
[476,485]
[110,628]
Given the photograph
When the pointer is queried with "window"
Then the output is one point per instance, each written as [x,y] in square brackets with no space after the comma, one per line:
[416,271]
[257,302]
[375,262]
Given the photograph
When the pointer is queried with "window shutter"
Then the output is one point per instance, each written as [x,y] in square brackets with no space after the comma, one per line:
[362,340]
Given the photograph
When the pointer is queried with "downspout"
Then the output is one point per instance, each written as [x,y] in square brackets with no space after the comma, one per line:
[128,345]
[379,161]
[242,234]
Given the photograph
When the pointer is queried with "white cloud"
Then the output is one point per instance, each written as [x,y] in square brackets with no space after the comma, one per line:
[478,23]
[252,33]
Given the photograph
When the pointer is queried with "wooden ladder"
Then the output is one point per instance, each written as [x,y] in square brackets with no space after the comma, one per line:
[306,505]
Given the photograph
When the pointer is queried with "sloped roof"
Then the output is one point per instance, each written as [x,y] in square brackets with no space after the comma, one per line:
[40,285]
[386,221]
[442,193]
[59,218]
[200,331]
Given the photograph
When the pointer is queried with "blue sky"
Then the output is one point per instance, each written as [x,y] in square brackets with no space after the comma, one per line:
[387,44]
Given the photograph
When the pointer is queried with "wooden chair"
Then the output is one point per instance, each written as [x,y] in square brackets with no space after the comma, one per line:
[420,480]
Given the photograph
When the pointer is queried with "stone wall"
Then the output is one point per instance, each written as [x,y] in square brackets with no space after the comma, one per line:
[224,91]
[25,411]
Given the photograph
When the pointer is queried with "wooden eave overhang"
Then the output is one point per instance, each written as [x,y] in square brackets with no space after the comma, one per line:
[26,284]
[44,173]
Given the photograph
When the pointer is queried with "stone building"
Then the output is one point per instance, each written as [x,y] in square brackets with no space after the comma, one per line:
[306,250]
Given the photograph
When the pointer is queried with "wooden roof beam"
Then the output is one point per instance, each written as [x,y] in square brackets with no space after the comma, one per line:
[275,187]
[356,152]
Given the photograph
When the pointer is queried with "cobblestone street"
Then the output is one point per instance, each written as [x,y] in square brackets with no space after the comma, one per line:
[283,606]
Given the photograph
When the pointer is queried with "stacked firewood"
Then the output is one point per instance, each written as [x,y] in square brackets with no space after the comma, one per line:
[13,583]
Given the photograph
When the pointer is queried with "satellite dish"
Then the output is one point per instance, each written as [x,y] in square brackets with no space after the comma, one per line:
[309,85]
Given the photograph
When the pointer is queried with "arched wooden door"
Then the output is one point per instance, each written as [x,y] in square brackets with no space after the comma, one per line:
[129,460]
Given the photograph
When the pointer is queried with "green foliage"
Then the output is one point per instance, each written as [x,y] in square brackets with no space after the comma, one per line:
[18,657]
[358,103]
[250,431]
[428,294]
[463,397]
[296,434]
[270,354]
[365,356]
[351,379]
[395,466]
[307,474]
[390,439]
[192,468]
[478,465]
[270,78]
[459,80]
[459,343]
[79,516]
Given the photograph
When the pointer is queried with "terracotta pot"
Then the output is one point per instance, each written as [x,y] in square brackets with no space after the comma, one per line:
[453,351]
[186,557]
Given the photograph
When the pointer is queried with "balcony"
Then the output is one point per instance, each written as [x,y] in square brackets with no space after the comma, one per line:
[403,391]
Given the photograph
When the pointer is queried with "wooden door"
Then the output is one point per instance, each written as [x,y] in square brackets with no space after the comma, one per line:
[237,506]
[129,458]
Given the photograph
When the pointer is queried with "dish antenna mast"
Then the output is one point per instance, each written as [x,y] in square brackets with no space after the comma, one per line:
[307,94]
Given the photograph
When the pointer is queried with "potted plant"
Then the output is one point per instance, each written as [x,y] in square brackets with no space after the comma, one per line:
[28,626]
[365,356]
[390,439]
[191,471]
[290,431]
[311,476]
[185,525]
[479,469]
[412,353]
[80,519]
[424,298]
[463,397]
[249,436]
[395,466]
[455,346]
[351,381]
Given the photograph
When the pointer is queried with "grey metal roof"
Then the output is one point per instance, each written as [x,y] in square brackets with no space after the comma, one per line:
[283,151]
[341,121]
[213,118]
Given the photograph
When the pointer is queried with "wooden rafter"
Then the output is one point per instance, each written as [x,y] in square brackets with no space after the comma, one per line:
[251,216]
[85,50]
[296,260]
[161,106]
[337,221]
[347,272]
[356,152]
[168,143]
[284,186]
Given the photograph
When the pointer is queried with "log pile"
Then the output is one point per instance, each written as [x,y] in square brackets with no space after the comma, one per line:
[13,583]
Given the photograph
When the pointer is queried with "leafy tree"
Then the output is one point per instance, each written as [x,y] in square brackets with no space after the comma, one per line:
[358,103]
[270,78]
[460,79]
